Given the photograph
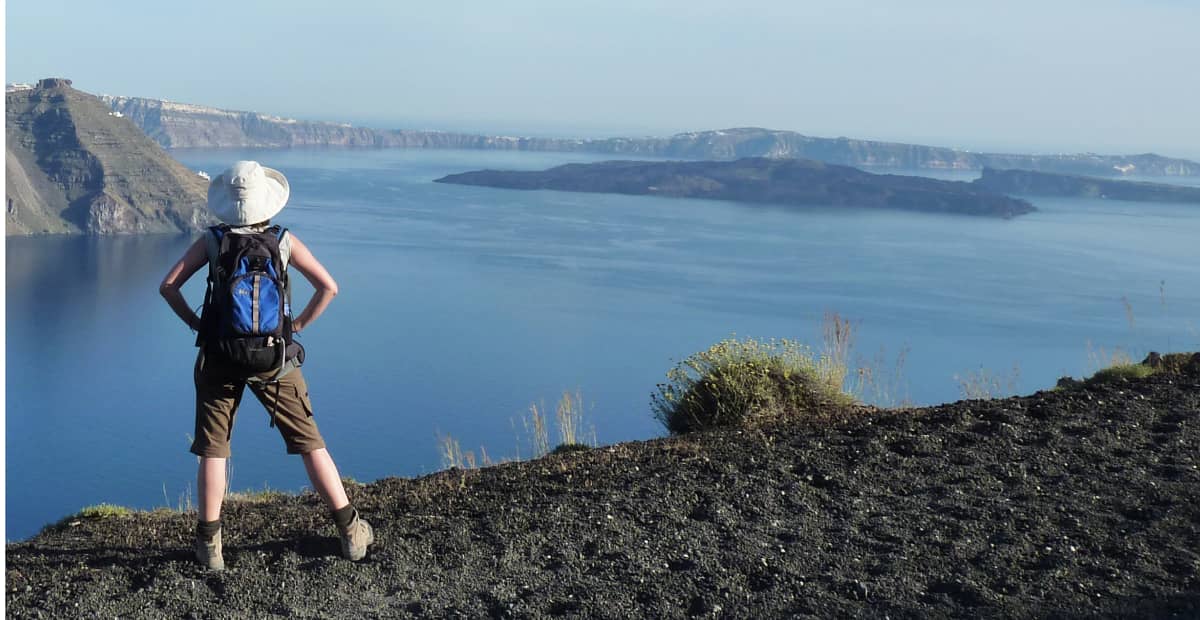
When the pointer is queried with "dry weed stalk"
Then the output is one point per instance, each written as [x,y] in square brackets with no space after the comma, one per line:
[569,415]
[880,383]
[185,500]
[453,456]
[1100,358]
[1162,298]
[985,384]
[838,337]
[1129,313]
[536,429]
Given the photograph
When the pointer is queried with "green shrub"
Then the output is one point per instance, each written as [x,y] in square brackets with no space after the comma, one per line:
[745,382]
[1122,372]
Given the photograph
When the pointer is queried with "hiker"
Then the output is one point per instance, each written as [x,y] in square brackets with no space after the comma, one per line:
[245,338]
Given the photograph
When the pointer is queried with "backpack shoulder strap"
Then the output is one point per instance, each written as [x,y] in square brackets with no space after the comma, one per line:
[284,247]
[212,241]
[213,237]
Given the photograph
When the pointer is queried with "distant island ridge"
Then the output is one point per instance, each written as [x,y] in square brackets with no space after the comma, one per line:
[76,163]
[1032,183]
[184,125]
[813,183]
[793,182]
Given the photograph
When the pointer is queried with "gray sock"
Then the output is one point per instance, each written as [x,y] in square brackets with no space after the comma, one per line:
[205,530]
[343,516]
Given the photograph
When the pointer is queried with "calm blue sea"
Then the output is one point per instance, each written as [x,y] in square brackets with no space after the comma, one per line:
[461,306]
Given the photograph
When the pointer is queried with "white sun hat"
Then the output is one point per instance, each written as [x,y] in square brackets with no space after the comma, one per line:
[247,193]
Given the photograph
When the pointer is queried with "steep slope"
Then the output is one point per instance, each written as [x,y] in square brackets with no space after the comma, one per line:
[1081,502]
[183,125]
[72,166]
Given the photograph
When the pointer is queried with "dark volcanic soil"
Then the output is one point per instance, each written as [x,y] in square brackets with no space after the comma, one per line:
[1080,502]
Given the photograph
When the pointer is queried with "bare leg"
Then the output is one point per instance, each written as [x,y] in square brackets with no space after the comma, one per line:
[210,482]
[325,479]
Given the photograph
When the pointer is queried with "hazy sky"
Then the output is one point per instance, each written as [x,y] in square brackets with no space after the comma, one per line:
[1050,75]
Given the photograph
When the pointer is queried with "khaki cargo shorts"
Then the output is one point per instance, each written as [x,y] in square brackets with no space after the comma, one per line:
[218,394]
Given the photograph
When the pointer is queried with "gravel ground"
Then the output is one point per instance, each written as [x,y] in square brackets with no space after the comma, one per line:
[1078,502]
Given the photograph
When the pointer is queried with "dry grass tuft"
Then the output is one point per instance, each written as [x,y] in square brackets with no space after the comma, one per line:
[985,384]
[1100,358]
[537,430]
[747,382]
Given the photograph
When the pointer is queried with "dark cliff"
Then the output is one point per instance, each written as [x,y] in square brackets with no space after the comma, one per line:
[777,181]
[72,166]
[181,125]
[1030,183]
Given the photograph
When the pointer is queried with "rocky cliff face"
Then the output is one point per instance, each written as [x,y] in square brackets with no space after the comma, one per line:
[72,166]
[180,125]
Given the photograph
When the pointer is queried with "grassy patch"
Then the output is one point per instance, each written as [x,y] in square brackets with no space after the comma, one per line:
[1122,372]
[1155,363]
[567,448]
[255,497]
[104,511]
[95,512]
[746,382]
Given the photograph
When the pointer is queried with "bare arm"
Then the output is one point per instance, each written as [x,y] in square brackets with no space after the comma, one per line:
[193,259]
[313,271]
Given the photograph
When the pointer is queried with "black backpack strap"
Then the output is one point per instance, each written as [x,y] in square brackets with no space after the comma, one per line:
[280,234]
[213,239]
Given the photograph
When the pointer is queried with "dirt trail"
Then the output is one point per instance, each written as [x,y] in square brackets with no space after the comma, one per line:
[1079,502]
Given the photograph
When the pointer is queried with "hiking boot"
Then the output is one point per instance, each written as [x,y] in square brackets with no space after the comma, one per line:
[208,553]
[356,537]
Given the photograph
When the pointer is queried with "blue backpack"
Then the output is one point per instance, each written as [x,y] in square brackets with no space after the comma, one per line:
[246,323]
